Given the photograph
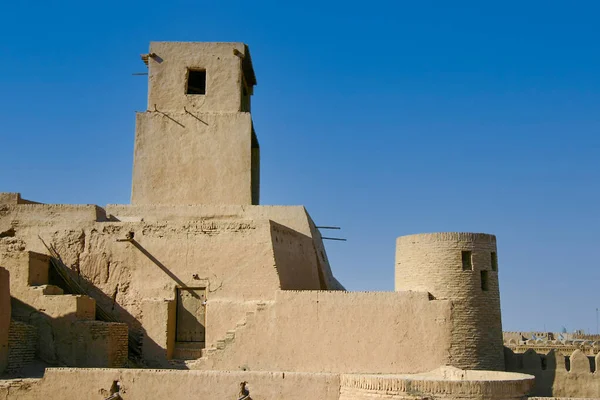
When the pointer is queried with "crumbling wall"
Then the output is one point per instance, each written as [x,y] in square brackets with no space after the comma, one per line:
[335,331]
[5,314]
[239,261]
[557,375]
[293,217]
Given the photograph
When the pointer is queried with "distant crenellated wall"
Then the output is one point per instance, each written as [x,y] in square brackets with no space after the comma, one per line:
[557,375]
[463,268]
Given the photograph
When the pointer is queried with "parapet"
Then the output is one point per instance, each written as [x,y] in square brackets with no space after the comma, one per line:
[14,198]
[575,375]
[442,383]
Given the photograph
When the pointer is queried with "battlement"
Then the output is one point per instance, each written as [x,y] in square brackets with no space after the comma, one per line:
[575,375]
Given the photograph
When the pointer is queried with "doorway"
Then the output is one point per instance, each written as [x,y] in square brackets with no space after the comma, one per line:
[191,316]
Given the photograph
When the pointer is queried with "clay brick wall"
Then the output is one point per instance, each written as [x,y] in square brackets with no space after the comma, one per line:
[100,344]
[433,263]
[22,345]
[4,317]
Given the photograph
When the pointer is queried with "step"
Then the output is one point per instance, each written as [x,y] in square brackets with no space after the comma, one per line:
[50,290]
[26,268]
[229,336]
[75,307]
[208,351]
[187,353]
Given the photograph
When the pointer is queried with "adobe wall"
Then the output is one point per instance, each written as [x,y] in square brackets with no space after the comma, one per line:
[14,198]
[433,263]
[22,345]
[556,375]
[193,250]
[136,384]
[197,147]
[224,73]
[334,331]
[4,317]
[293,217]
[204,158]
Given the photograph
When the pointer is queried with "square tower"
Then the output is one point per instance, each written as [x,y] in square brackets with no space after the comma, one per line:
[195,144]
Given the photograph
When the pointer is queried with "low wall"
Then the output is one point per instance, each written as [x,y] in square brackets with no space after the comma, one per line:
[556,375]
[333,331]
[143,384]
[137,384]
[443,383]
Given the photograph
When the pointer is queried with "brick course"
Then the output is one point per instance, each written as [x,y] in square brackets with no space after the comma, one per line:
[434,263]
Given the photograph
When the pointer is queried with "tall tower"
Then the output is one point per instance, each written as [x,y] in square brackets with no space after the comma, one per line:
[462,268]
[196,143]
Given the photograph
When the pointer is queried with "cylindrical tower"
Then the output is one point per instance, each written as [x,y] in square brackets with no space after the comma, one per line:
[462,268]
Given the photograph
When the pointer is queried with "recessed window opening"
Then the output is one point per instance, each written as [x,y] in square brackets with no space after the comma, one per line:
[484,281]
[494,261]
[467,262]
[196,82]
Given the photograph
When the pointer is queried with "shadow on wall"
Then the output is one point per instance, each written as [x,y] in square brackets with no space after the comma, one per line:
[557,375]
[296,260]
[71,341]
[143,350]
[157,262]
[137,334]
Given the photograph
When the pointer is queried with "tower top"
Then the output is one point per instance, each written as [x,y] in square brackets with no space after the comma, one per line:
[205,77]
[196,143]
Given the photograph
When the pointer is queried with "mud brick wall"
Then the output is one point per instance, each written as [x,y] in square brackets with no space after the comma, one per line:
[22,345]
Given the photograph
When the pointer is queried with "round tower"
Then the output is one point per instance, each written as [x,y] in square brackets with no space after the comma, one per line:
[462,268]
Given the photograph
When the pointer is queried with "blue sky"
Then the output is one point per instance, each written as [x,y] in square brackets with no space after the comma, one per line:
[384,118]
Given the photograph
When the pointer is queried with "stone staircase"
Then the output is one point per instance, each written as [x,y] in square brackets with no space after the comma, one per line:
[67,328]
[205,354]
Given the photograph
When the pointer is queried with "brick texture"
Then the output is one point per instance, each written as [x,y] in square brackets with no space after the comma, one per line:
[434,263]
[22,342]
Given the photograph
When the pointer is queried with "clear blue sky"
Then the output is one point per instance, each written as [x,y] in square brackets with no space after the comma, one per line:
[385,118]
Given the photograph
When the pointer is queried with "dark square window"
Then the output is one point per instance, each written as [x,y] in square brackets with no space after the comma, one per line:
[494,261]
[196,82]
[467,263]
[484,281]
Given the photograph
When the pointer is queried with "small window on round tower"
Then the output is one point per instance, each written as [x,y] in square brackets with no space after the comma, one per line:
[196,82]
[494,261]
[484,281]
[467,262]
